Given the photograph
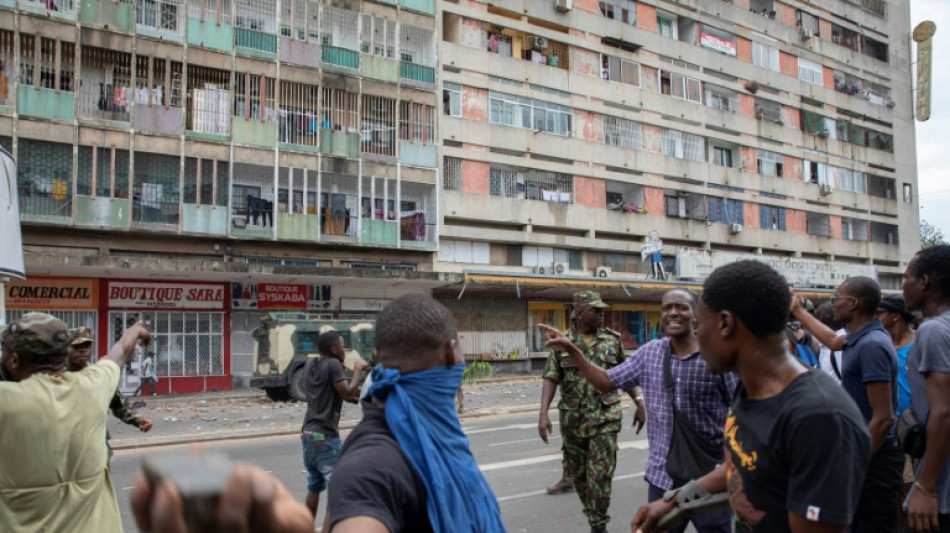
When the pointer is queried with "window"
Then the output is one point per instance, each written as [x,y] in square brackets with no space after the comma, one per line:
[616,69]
[817,173]
[809,71]
[665,27]
[216,11]
[680,86]
[721,98]
[254,97]
[765,56]
[884,233]
[452,174]
[769,163]
[378,36]
[852,180]
[853,229]
[303,23]
[417,123]
[908,193]
[529,113]
[161,15]
[622,10]
[807,23]
[722,156]
[184,343]
[530,184]
[38,64]
[513,255]
[768,110]
[299,114]
[818,224]
[683,145]
[622,132]
[338,110]
[378,125]
[678,204]
[725,210]
[771,217]
[452,99]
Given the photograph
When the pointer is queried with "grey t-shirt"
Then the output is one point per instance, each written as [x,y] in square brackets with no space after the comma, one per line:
[323,402]
[930,353]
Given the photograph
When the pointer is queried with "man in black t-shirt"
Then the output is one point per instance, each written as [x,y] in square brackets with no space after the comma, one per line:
[325,387]
[797,447]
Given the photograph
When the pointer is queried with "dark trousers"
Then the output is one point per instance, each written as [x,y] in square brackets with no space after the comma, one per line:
[879,504]
[718,521]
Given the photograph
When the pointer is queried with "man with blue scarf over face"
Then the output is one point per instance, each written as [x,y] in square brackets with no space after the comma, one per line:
[407,466]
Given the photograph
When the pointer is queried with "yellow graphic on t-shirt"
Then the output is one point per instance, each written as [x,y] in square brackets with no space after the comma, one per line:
[747,460]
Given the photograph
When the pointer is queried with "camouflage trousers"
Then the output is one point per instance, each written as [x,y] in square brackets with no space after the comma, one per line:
[590,462]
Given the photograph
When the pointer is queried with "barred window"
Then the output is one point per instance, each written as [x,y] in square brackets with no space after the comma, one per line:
[38,63]
[104,90]
[156,185]
[378,36]
[768,110]
[44,177]
[252,196]
[417,45]
[339,28]
[160,15]
[103,172]
[300,20]
[206,182]
[616,69]
[184,343]
[529,113]
[299,113]
[379,198]
[725,210]
[770,163]
[339,110]
[531,184]
[7,42]
[254,97]
[417,123]
[378,125]
[209,100]
[622,132]
[683,145]
[771,217]
[215,11]
[452,174]
[155,84]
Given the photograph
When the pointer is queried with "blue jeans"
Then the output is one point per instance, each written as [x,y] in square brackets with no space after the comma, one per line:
[319,457]
[718,521]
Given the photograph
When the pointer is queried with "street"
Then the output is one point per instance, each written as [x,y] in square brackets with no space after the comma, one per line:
[517,464]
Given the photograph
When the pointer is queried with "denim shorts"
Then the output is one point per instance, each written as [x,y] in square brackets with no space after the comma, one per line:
[319,457]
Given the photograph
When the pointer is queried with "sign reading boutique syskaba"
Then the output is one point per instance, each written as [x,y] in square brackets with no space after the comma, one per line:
[692,263]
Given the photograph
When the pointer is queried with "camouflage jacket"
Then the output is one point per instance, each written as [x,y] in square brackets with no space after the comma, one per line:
[123,411]
[584,411]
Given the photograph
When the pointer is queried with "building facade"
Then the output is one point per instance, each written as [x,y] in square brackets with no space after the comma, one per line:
[194,162]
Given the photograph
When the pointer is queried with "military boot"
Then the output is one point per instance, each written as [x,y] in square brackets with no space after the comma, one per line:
[563,485]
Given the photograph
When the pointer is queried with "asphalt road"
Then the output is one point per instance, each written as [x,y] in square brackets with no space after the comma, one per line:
[517,464]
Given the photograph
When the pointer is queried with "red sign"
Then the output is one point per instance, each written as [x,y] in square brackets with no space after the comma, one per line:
[165,295]
[281,296]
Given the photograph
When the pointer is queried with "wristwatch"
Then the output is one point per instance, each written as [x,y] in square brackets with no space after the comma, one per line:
[638,399]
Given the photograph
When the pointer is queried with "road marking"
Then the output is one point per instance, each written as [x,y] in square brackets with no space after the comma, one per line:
[626,445]
[522,440]
[544,492]
[502,428]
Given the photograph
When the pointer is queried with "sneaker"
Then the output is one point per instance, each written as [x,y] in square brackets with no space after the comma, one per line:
[564,485]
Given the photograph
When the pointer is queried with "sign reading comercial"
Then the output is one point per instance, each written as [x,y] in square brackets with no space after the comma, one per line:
[697,264]
[363,304]
[53,293]
[165,295]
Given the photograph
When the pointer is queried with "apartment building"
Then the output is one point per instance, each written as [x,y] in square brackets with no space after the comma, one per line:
[194,163]
[587,143]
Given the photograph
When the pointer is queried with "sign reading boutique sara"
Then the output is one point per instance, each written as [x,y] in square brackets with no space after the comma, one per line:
[697,264]
[53,293]
[165,295]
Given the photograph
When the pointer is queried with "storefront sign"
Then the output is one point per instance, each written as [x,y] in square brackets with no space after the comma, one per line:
[165,295]
[53,293]
[249,296]
[280,296]
[363,304]
[708,40]
[698,264]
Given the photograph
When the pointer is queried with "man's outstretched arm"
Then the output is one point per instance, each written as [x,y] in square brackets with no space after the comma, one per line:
[596,375]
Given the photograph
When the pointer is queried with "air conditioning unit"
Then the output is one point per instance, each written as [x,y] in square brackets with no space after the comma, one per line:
[807,34]
[735,228]
[602,272]
[541,269]
[563,5]
[559,268]
[540,42]
[826,189]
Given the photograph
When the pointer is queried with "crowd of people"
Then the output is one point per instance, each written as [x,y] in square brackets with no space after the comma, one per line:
[795,421]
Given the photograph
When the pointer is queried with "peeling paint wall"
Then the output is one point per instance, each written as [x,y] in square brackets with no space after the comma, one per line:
[591,6]
[648,76]
[751,213]
[824,28]
[653,197]
[794,168]
[652,138]
[474,34]
[588,125]
[793,118]
[749,159]
[585,61]
[475,177]
[828,78]
[788,64]
[475,104]
[746,105]
[591,192]
[646,17]
[785,14]
[835,221]
[795,221]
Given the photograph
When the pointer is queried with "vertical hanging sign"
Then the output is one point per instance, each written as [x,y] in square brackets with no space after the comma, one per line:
[923,34]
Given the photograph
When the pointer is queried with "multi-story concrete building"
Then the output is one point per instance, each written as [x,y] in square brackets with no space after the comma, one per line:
[192,162]
[573,130]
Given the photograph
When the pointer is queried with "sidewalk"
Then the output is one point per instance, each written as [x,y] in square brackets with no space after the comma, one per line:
[247,413]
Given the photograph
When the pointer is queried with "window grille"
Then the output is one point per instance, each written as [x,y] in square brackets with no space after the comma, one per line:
[156,186]
[206,182]
[297,191]
[622,132]
[44,177]
[452,99]
[417,123]
[160,15]
[877,7]
[74,319]
[39,56]
[62,7]
[765,56]
[725,210]
[339,110]
[770,163]
[683,145]
[771,217]
[299,113]
[531,184]
[103,172]
[809,71]
[417,212]
[254,97]
[379,198]
[340,204]
[7,55]
[104,90]
[378,36]
[256,15]
[157,85]
[818,224]
[452,174]
[209,99]
[339,28]
[184,343]
[616,69]
[419,42]
[300,20]
[215,11]
[252,196]
[378,125]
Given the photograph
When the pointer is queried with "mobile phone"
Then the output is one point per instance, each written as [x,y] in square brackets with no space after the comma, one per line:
[200,479]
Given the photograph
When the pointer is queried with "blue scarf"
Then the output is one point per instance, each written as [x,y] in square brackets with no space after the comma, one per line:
[420,412]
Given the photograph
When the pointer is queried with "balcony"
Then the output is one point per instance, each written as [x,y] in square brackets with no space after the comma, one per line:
[102,211]
[46,103]
[417,153]
[379,68]
[341,143]
[61,9]
[204,219]
[208,29]
[254,132]
[161,19]
[379,232]
[419,73]
[118,16]
[256,43]
[422,6]
[340,57]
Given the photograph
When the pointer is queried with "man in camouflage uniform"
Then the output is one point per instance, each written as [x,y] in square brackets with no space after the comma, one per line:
[80,351]
[590,420]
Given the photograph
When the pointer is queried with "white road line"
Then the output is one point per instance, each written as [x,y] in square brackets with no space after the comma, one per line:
[543,492]
[627,445]
[522,440]
[502,428]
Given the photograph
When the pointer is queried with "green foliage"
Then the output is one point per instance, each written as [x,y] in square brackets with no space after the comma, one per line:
[930,235]
[473,371]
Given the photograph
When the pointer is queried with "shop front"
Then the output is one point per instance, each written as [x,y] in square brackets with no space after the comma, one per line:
[75,301]
[190,339]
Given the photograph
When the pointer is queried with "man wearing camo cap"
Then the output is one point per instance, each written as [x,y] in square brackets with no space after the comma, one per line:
[53,458]
[80,351]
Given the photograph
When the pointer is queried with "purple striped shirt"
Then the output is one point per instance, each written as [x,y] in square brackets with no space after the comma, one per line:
[702,396]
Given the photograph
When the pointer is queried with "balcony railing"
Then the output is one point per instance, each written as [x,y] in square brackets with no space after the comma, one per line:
[255,40]
[414,72]
[341,57]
